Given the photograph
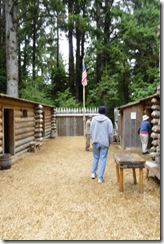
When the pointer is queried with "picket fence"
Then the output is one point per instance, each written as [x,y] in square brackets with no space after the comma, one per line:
[71,121]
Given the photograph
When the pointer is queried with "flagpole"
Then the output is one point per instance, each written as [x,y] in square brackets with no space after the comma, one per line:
[84,83]
[84,109]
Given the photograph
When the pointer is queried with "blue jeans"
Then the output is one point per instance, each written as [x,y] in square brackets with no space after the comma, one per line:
[100,154]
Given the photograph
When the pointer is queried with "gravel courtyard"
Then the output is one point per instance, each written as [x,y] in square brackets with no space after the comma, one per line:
[49,195]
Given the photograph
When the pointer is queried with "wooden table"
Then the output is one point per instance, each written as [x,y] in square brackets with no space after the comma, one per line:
[127,161]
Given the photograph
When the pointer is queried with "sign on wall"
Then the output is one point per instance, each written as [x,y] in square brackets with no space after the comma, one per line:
[133,115]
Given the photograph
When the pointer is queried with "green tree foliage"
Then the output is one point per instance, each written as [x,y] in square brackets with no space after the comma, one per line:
[38,37]
[40,92]
[118,41]
[66,100]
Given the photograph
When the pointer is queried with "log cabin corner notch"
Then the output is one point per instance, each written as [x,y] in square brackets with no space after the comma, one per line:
[23,121]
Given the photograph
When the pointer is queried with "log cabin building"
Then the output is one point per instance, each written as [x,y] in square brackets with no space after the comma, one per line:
[23,122]
[128,119]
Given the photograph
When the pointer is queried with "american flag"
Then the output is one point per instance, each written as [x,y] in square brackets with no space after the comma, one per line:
[84,76]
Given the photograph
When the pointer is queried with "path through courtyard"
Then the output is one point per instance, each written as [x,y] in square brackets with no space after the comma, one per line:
[49,195]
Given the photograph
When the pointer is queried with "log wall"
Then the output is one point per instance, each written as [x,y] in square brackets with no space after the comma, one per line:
[155,135]
[24,129]
[23,121]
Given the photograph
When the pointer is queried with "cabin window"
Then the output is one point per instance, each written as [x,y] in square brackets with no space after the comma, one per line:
[24,113]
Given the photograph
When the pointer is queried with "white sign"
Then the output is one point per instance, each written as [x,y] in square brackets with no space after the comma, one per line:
[133,115]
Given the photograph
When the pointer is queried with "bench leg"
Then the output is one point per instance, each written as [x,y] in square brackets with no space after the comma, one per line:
[121,180]
[147,173]
[134,176]
[117,172]
[32,148]
[141,180]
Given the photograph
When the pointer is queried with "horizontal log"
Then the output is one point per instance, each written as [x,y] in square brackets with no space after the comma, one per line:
[153,154]
[1,135]
[38,112]
[39,139]
[20,120]
[155,142]
[0,113]
[155,101]
[47,125]
[156,128]
[155,121]
[38,130]
[46,112]
[39,106]
[1,121]
[22,151]
[24,135]
[155,114]
[48,117]
[37,135]
[1,149]
[38,125]
[155,107]
[48,128]
[30,113]
[154,135]
[153,149]
[18,113]
[24,141]
[1,143]
[39,116]
[39,121]
[27,124]
[22,147]
[24,130]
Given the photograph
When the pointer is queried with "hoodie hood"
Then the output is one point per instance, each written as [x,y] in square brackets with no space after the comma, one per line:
[100,118]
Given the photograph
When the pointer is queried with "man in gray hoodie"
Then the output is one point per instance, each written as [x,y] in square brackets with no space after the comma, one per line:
[102,136]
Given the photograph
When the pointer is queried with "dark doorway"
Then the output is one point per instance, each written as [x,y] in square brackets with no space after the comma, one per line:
[9,131]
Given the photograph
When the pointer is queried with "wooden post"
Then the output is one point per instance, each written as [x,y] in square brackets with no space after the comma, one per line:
[117,172]
[134,176]
[121,180]
[141,180]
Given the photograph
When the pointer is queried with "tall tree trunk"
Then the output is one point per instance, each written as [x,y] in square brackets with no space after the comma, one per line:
[57,41]
[78,67]
[34,50]
[71,57]
[2,47]
[11,47]
[78,64]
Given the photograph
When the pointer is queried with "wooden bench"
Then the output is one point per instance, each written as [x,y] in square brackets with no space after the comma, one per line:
[153,167]
[127,161]
[34,145]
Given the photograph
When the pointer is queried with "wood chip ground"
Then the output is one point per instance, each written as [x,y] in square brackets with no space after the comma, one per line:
[49,195]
